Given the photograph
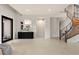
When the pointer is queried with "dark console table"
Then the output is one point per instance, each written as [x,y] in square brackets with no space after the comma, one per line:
[25,35]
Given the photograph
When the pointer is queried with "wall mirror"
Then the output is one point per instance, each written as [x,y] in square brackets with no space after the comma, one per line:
[7,29]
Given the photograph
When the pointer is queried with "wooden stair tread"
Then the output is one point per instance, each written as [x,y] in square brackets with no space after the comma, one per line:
[74,31]
[75,21]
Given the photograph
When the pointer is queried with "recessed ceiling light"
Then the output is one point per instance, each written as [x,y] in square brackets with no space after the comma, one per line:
[49,10]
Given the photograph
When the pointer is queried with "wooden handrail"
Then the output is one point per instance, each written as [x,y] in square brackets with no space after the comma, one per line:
[65,32]
[67,26]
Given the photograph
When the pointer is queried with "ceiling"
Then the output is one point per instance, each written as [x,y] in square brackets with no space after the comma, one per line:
[39,9]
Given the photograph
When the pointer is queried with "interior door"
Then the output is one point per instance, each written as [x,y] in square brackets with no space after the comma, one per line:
[54,27]
[40,29]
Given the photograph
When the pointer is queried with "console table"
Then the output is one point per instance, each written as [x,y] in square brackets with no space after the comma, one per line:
[25,35]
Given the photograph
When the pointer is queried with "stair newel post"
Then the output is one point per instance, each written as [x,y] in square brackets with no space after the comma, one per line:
[60,30]
[66,36]
[74,10]
[60,34]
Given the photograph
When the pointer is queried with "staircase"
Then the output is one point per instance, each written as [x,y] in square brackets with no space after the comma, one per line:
[72,12]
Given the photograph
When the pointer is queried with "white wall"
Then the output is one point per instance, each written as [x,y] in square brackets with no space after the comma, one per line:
[17,18]
[0,30]
[47,27]
[34,19]
[6,10]
[17,24]
[54,32]
[54,27]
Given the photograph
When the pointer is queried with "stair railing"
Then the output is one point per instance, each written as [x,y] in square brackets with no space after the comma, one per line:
[74,13]
[64,31]
[69,14]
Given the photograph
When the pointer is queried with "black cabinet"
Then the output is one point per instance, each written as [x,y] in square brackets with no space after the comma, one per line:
[25,35]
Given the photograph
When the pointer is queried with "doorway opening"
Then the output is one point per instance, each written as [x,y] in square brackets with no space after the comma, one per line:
[40,28]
